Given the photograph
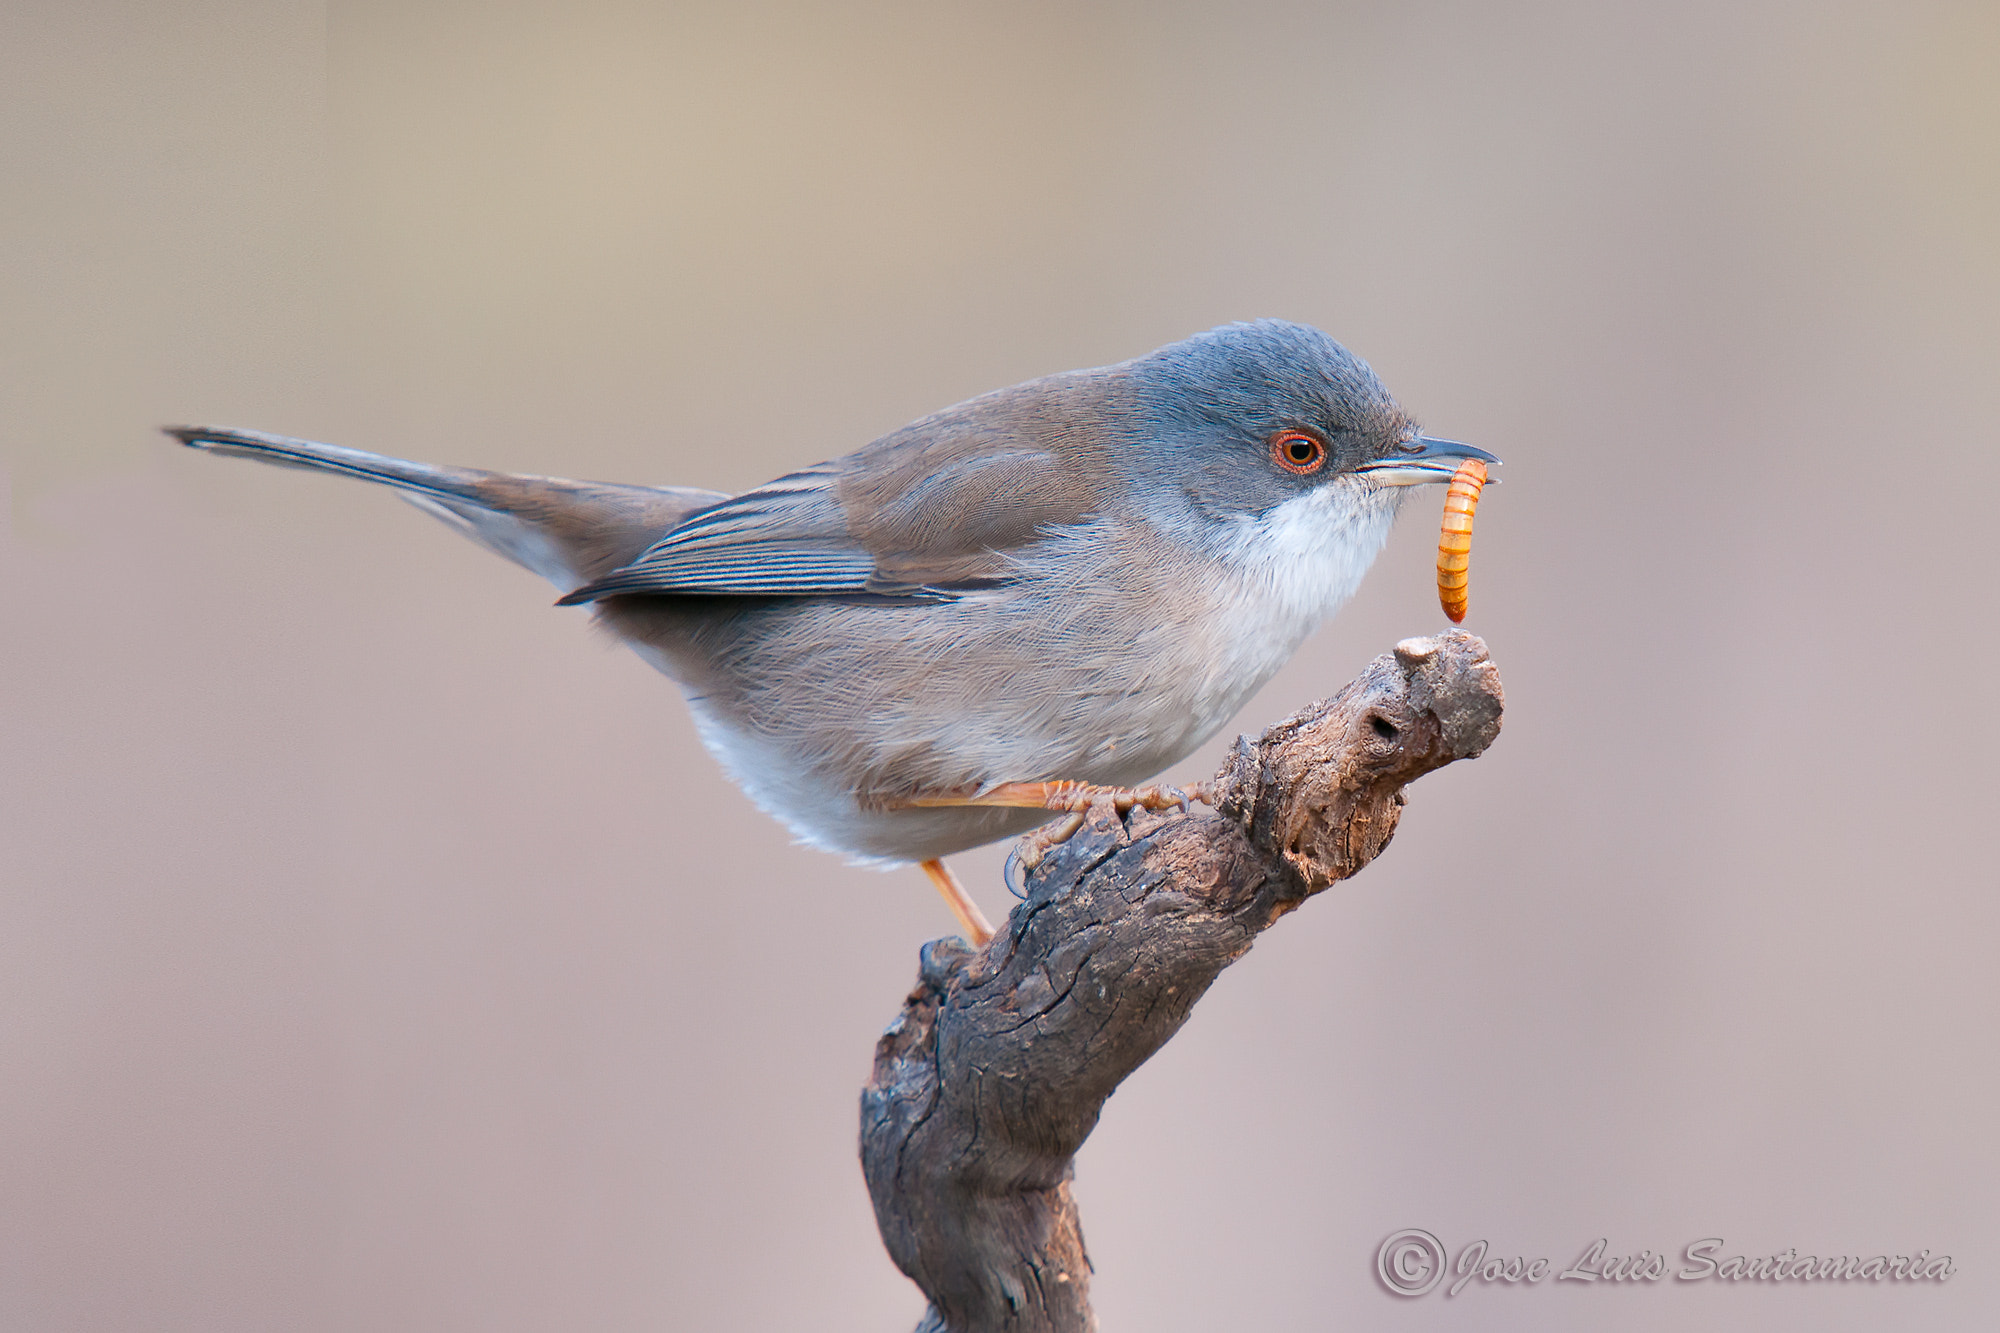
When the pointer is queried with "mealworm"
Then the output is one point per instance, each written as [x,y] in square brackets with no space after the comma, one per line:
[1461,498]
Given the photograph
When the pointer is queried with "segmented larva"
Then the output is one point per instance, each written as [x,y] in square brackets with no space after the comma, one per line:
[1461,498]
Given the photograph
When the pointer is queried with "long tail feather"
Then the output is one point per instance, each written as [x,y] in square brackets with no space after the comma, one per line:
[569,532]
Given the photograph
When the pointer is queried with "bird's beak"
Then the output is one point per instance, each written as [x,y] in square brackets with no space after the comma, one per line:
[1420,460]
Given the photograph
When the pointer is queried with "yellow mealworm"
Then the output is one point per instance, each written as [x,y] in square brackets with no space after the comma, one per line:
[1461,498]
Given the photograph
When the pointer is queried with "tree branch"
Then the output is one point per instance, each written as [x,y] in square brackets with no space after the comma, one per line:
[990,1080]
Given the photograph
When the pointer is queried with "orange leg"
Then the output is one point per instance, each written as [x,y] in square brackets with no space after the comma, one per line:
[970,919]
[1068,796]
[1074,798]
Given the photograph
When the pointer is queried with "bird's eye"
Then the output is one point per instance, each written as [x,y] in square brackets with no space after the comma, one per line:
[1296,451]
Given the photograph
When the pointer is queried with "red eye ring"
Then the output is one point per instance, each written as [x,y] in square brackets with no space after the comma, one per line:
[1295,451]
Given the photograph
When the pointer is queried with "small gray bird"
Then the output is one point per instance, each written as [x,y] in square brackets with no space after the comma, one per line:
[1026,602]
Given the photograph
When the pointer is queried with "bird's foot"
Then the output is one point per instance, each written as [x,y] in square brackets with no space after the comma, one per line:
[1079,801]
[1074,797]
[1035,847]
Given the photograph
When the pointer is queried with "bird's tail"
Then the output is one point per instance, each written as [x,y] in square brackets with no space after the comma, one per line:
[569,532]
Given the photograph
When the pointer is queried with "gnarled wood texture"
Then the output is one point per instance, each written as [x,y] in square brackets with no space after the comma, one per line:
[994,1074]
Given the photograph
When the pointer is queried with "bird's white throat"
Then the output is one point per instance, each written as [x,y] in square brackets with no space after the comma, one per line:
[1308,555]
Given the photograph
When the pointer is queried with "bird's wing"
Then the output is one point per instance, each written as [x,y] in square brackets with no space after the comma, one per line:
[925,513]
[785,537]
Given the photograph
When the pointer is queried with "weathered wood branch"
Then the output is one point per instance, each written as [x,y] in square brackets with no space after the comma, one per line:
[990,1080]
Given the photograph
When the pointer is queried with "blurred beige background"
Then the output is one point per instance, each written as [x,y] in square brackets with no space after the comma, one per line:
[379,950]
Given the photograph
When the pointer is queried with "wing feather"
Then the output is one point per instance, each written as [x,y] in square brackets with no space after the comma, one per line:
[931,511]
[787,538]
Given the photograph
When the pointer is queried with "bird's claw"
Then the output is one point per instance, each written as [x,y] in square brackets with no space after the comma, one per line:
[1080,801]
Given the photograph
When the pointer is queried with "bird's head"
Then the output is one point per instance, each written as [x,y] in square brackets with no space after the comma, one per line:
[1270,443]
[1249,416]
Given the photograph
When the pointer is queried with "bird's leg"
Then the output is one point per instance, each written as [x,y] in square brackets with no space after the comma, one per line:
[970,919]
[1077,799]
[1071,796]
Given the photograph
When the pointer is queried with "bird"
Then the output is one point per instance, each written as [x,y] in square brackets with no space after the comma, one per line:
[1022,604]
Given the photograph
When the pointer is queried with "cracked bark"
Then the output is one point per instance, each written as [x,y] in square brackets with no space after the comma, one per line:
[994,1074]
